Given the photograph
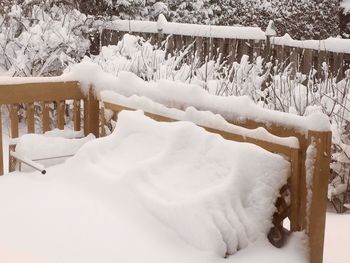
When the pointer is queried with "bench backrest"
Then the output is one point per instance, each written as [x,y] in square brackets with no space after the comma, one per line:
[309,172]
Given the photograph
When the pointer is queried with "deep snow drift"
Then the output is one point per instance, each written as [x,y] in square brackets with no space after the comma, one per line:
[149,192]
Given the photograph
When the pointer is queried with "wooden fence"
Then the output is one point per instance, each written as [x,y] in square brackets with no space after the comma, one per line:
[303,215]
[298,58]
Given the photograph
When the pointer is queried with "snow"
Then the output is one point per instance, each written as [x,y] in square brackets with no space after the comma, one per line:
[271,29]
[235,32]
[38,146]
[338,45]
[164,190]
[336,238]
[346,5]
[201,118]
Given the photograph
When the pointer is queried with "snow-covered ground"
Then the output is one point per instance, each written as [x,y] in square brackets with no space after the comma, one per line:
[100,208]
[337,238]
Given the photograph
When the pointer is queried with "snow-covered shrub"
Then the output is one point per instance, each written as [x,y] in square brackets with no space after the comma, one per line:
[319,18]
[41,40]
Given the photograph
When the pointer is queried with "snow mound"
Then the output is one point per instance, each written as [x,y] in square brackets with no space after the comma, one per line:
[170,191]
[39,146]
[195,182]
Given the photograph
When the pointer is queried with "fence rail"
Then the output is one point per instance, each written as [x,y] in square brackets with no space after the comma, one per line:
[303,215]
[231,43]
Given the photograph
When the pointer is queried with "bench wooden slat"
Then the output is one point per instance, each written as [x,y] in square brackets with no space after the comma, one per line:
[45,117]
[60,114]
[30,118]
[76,115]
[32,92]
[14,120]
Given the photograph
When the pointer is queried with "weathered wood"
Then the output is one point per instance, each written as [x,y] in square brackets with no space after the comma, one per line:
[76,115]
[232,50]
[318,206]
[60,114]
[30,118]
[338,66]
[280,57]
[91,114]
[45,117]
[12,161]
[307,61]
[178,42]
[294,187]
[14,120]
[32,92]
[322,58]
[294,63]
[199,48]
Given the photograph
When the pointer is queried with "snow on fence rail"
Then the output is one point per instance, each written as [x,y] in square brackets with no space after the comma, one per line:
[307,186]
[234,42]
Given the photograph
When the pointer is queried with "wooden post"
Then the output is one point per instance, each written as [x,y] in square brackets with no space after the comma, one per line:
[338,66]
[318,205]
[91,114]
[1,149]
[294,187]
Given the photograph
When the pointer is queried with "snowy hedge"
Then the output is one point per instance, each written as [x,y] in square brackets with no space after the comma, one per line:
[41,40]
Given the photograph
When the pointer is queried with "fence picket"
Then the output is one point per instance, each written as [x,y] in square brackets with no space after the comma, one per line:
[14,120]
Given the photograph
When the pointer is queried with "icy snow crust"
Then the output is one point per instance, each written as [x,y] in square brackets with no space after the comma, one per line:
[149,192]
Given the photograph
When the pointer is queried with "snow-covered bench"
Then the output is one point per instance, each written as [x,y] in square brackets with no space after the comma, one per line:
[304,195]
